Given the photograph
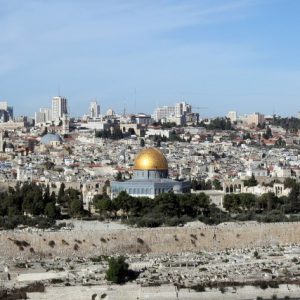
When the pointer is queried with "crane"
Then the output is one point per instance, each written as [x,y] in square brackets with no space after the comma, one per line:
[198,108]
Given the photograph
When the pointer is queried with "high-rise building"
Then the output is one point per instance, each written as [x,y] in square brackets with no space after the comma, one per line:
[3,105]
[59,108]
[182,108]
[43,116]
[298,115]
[232,115]
[163,112]
[39,117]
[176,113]
[48,113]
[255,119]
[94,109]
[9,109]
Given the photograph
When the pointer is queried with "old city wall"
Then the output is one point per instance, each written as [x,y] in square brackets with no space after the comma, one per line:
[158,240]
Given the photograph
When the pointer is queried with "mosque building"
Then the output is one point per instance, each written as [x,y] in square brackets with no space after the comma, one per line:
[51,139]
[150,177]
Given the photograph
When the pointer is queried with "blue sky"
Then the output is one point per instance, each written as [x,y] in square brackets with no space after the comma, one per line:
[225,55]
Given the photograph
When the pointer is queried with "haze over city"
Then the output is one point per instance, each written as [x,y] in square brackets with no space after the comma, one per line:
[149,149]
[226,55]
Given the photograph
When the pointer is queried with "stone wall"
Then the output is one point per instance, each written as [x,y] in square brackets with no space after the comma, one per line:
[157,240]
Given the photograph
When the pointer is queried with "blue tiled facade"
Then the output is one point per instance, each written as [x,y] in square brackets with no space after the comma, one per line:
[149,183]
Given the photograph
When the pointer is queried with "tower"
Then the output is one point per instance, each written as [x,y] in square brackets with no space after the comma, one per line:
[1,141]
[65,124]
[94,110]
[59,108]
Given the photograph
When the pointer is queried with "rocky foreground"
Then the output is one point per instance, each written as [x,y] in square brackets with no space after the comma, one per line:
[208,262]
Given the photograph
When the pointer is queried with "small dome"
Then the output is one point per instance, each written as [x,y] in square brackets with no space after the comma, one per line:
[150,159]
[50,138]
[176,188]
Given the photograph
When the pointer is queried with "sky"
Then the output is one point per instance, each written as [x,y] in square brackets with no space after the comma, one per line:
[223,55]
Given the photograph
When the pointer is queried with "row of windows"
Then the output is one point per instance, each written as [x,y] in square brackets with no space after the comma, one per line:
[142,191]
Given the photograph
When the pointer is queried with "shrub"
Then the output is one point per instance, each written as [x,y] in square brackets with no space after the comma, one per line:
[76,247]
[263,285]
[140,241]
[20,265]
[198,288]
[294,260]
[64,243]
[256,255]
[56,280]
[21,243]
[273,284]
[118,271]
[51,244]
[202,269]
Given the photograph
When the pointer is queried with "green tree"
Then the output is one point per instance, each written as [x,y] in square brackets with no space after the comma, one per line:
[268,201]
[217,184]
[103,205]
[75,208]
[117,270]
[167,204]
[294,198]
[268,133]
[122,202]
[61,193]
[251,182]
[193,205]
[142,143]
[232,203]
[53,197]
[248,201]
[4,146]
[51,211]
[46,196]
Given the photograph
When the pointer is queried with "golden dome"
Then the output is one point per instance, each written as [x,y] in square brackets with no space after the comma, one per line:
[150,159]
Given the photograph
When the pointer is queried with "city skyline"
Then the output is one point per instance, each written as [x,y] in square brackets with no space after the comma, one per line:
[234,54]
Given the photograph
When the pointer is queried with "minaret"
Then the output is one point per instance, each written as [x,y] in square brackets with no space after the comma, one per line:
[1,141]
[65,124]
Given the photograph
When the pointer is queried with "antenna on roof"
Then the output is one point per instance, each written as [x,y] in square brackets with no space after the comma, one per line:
[124,110]
[135,100]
